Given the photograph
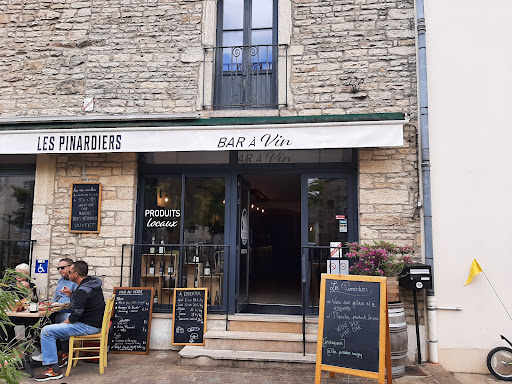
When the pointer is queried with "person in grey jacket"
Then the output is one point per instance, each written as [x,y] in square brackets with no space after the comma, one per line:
[87,308]
[63,267]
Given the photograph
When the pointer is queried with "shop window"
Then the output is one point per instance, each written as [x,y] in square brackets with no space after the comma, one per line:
[182,237]
[327,210]
[16,201]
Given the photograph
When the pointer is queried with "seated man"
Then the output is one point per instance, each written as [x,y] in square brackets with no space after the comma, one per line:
[87,307]
[63,267]
[59,297]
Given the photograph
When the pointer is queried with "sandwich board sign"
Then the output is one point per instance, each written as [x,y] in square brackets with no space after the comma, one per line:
[353,327]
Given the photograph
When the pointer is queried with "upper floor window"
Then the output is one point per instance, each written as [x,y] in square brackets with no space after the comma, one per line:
[245,71]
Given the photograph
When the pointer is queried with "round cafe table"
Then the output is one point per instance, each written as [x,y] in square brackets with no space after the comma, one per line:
[41,313]
[25,313]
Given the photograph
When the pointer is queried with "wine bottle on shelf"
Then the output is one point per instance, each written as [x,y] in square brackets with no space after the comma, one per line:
[196,282]
[207,269]
[152,247]
[155,298]
[196,257]
[209,300]
[152,267]
[170,268]
[216,301]
[161,248]
[161,269]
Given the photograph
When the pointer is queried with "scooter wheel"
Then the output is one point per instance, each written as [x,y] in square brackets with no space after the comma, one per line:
[499,362]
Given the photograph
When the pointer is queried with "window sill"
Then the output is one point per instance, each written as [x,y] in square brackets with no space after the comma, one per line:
[242,113]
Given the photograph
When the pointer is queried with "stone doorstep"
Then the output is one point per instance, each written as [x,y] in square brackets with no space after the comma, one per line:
[272,318]
[271,323]
[263,336]
[200,356]
[259,341]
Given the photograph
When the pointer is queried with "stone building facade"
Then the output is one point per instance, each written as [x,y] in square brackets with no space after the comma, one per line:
[150,58]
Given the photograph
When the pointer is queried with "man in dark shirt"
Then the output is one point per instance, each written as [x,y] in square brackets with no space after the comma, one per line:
[87,307]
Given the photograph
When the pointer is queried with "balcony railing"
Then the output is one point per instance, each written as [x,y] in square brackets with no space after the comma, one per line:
[169,266]
[244,76]
[316,260]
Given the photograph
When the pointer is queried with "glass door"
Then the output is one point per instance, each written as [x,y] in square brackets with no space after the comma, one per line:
[328,221]
[243,244]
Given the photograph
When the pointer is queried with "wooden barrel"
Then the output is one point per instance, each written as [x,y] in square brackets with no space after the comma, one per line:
[398,338]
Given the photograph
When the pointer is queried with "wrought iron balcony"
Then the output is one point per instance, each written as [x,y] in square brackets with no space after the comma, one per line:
[244,77]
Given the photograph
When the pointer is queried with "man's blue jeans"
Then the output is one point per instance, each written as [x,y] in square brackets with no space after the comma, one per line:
[50,334]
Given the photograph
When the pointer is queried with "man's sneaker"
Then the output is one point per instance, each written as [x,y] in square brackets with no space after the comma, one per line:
[48,374]
[37,356]
[63,359]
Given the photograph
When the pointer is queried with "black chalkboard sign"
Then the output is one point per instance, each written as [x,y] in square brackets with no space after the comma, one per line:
[189,316]
[85,208]
[352,326]
[131,324]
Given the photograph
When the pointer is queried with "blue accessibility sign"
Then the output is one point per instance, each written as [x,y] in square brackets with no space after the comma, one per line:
[41,266]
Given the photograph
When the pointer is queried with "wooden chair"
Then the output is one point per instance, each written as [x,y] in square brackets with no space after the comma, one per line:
[76,342]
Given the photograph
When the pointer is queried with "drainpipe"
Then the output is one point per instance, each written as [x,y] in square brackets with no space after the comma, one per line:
[425,176]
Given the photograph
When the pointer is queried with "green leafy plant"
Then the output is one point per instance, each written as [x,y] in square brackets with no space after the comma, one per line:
[12,351]
[379,259]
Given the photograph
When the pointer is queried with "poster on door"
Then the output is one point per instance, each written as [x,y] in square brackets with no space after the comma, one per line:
[337,267]
[335,248]
[244,226]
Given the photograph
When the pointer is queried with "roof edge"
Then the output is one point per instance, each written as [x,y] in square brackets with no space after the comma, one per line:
[191,119]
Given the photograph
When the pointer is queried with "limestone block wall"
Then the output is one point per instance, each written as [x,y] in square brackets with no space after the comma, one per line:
[118,175]
[345,57]
[129,56]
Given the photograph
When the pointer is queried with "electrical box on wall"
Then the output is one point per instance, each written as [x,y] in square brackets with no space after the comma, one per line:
[416,276]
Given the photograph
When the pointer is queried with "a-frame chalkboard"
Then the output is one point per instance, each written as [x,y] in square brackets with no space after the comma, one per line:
[131,320]
[353,328]
[189,316]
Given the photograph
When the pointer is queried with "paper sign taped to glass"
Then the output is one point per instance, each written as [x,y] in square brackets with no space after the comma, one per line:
[337,267]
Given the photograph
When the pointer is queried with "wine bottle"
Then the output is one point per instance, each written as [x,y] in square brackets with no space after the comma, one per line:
[161,248]
[161,269]
[196,282]
[170,268]
[209,301]
[207,269]
[216,301]
[152,267]
[152,248]
[34,305]
[155,298]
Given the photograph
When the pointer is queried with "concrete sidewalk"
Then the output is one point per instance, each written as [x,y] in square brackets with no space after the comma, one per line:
[161,367]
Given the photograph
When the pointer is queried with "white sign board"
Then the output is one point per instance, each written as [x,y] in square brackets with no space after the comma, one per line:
[335,248]
[337,267]
[204,138]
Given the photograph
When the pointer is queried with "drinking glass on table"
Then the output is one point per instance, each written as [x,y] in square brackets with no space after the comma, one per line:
[41,294]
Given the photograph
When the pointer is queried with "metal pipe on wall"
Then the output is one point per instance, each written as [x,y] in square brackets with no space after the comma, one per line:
[425,175]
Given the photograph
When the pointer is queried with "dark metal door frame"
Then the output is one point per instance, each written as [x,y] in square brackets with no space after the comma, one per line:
[352,221]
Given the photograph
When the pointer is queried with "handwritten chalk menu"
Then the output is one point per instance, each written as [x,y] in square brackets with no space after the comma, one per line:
[131,324]
[352,325]
[85,208]
[189,316]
